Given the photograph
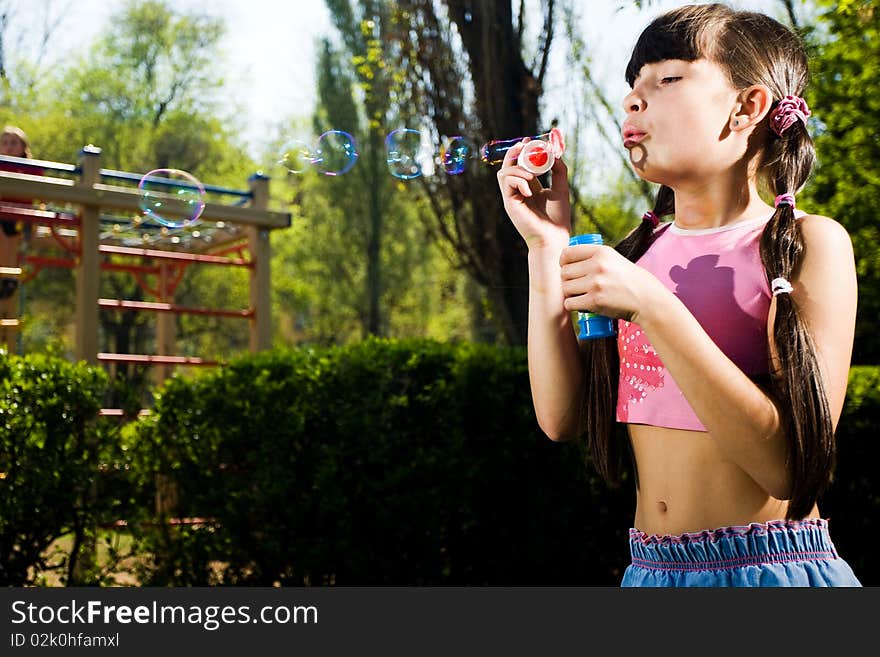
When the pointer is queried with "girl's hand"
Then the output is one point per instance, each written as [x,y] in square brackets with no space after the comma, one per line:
[542,216]
[596,278]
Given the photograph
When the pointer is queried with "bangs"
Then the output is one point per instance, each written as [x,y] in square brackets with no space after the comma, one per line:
[676,35]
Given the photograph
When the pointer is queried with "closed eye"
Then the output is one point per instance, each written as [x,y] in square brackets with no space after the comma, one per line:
[667,80]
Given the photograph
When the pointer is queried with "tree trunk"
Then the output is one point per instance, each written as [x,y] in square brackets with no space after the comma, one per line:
[506,105]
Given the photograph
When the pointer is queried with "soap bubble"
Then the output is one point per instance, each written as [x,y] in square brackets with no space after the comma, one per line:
[455,154]
[493,152]
[334,154]
[171,197]
[409,154]
[296,157]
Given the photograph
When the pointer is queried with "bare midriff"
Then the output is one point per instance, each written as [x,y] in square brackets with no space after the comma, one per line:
[686,484]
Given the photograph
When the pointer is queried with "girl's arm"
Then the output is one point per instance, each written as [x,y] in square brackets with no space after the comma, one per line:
[555,370]
[543,219]
[739,415]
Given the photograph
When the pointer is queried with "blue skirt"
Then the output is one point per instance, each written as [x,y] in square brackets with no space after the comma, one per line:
[776,553]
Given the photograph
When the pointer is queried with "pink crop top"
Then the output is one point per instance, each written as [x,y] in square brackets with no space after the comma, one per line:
[718,275]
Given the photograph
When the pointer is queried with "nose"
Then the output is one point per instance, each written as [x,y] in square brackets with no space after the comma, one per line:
[633,102]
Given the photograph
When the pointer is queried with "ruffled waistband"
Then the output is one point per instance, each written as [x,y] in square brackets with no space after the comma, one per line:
[734,530]
[728,547]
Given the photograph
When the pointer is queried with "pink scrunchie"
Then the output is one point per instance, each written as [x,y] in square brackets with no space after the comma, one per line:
[784,199]
[789,110]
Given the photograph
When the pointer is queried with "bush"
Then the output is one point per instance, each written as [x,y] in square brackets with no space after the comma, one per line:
[379,463]
[50,448]
[852,505]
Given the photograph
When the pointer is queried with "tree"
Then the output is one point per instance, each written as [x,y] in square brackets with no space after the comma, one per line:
[463,68]
[147,92]
[364,46]
[356,261]
[844,98]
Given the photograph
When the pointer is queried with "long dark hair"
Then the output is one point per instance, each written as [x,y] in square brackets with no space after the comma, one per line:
[752,49]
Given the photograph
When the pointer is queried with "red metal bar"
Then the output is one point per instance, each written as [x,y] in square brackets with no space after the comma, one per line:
[70,263]
[171,308]
[137,270]
[179,271]
[70,247]
[173,255]
[151,359]
[43,261]
[142,282]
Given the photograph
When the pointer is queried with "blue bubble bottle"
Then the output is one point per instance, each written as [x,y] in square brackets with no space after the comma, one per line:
[592,325]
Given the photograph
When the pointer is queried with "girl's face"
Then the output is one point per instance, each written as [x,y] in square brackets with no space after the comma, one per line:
[678,118]
[11,144]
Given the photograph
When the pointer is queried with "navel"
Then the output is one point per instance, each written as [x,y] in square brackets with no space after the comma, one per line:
[661,506]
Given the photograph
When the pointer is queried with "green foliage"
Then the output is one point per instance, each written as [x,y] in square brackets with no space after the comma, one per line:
[853,502]
[409,463]
[50,447]
[358,258]
[382,462]
[379,463]
[846,186]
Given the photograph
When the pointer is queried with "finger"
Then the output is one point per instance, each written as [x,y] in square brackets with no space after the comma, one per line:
[578,253]
[559,176]
[516,170]
[581,303]
[575,287]
[511,183]
[574,270]
[533,182]
[512,153]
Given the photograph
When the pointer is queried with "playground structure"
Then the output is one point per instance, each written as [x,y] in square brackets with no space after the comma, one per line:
[82,218]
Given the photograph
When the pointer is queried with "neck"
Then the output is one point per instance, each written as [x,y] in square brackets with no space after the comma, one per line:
[717,203]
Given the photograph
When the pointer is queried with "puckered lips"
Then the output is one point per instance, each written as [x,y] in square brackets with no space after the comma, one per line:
[632,135]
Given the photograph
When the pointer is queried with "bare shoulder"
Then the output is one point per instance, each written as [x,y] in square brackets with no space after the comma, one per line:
[824,234]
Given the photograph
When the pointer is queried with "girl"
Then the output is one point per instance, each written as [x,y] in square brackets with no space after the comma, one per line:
[14,142]
[735,319]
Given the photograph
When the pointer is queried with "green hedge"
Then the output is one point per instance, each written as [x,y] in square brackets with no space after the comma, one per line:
[408,463]
[853,503]
[50,448]
[380,463]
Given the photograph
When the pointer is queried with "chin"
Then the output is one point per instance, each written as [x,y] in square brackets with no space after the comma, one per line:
[651,176]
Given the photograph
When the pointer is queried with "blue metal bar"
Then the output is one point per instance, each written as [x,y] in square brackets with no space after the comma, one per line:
[135,178]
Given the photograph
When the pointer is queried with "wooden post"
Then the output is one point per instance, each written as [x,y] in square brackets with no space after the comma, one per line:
[166,343]
[88,271]
[260,281]
[88,264]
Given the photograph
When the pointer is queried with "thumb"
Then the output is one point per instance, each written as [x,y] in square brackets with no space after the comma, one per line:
[559,178]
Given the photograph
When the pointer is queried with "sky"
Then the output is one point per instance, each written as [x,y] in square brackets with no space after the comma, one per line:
[270,46]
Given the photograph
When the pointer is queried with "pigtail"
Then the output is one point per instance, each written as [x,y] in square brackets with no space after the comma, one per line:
[602,366]
[796,380]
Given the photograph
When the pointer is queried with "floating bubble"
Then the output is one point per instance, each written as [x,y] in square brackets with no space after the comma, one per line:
[296,157]
[409,154]
[171,197]
[455,154]
[334,154]
[493,152]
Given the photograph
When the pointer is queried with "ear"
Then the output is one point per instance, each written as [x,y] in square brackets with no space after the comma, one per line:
[752,105]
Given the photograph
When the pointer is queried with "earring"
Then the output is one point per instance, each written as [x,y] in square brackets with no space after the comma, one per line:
[735,123]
